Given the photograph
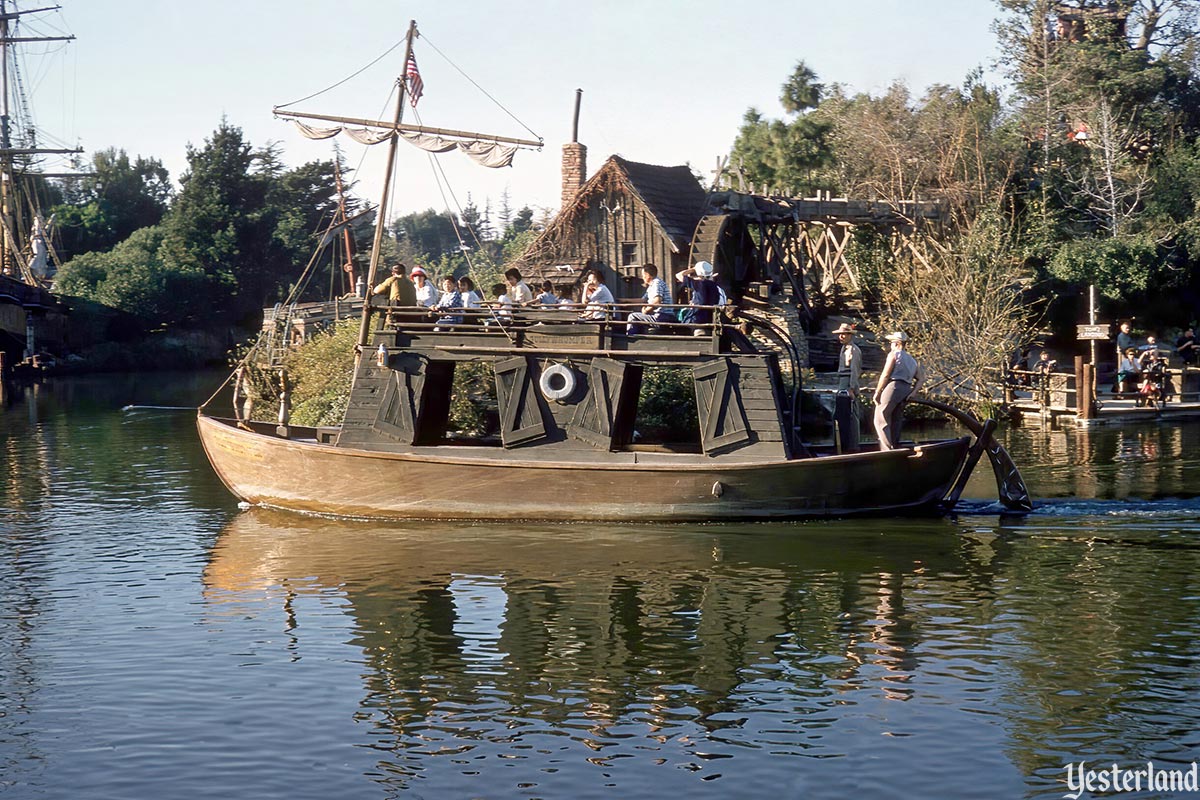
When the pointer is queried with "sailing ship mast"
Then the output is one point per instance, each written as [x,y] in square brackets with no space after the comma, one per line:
[12,256]
[394,130]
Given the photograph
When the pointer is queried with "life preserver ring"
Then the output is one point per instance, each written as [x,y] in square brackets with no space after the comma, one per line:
[557,382]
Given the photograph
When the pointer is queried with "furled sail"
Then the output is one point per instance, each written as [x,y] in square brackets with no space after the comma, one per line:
[488,154]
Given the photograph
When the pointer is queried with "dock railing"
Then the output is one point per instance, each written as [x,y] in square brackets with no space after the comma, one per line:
[1059,390]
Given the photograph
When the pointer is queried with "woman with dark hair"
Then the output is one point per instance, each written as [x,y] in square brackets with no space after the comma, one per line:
[451,300]
[518,291]
[596,296]
[547,297]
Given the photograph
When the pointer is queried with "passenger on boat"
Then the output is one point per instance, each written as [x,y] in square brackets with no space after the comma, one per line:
[547,297]
[451,299]
[900,377]
[597,298]
[519,291]
[849,375]
[702,291]
[427,295]
[471,298]
[399,288]
[502,305]
[655,296]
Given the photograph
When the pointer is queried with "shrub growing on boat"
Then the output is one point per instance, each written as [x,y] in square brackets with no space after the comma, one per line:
[667,406]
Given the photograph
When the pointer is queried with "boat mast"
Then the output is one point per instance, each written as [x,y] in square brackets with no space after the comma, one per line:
[347,239]
[10,254]
[381,219]
[395,129]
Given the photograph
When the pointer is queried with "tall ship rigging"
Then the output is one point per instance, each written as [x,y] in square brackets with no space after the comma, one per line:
[31,318]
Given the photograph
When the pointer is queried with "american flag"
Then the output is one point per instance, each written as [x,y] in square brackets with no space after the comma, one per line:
[416,86]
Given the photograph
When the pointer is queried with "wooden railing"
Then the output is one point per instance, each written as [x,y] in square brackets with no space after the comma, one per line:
[1058,390]
[494,318]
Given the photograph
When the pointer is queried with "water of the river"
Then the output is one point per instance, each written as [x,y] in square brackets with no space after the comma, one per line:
[158,642]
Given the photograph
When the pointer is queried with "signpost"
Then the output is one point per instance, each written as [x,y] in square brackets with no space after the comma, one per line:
[1093,332]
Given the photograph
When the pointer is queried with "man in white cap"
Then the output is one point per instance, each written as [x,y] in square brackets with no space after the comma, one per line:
[849,375]
[900,377]
[702,291]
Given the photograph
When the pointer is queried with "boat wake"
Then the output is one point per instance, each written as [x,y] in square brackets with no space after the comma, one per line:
[1183,508]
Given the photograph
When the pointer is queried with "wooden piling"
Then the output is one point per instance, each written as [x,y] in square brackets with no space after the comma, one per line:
[1085,385]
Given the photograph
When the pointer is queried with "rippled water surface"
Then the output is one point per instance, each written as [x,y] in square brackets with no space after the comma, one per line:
[156,641]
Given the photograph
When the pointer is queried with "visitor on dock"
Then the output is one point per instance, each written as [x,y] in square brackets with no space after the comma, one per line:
[451,299]
[655,296]
[518,291]
[1155,388]
[427,294]
[1042,370]
[597,298]
[849,376]
[547,296]
[900,377]
[1185,347]
[399,288]
[1018,373]
[1129,370]
[1124,338]
[702,291]
[1148,351]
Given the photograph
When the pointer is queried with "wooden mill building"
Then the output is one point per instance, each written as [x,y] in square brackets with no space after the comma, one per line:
[628,214]
[783,256]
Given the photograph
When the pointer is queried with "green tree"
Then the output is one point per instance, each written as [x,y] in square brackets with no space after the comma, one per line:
[134,278]
[428,234]
[1104,93]
[783,155]
[236,239]
[122,196]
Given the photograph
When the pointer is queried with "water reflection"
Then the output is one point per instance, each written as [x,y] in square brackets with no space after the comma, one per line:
[1106,462]
[525,654]
[683,645]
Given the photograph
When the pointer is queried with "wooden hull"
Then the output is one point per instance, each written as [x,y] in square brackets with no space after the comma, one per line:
[320,478]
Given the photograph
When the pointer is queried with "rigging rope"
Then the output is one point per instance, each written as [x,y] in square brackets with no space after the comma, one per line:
[348,77]
[486,94]
[443,184]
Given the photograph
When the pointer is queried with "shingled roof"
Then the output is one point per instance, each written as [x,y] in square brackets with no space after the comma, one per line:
[672,194]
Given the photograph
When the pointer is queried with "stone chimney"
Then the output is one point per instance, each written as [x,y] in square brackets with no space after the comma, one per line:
[574,170]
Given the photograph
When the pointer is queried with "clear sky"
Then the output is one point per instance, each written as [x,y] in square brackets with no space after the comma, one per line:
[664,81]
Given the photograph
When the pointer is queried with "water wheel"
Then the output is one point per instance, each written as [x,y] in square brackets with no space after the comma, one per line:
[724,241]
[742,251]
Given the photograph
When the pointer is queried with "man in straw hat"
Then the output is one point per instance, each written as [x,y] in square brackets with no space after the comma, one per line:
[900,377]
[849,376]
